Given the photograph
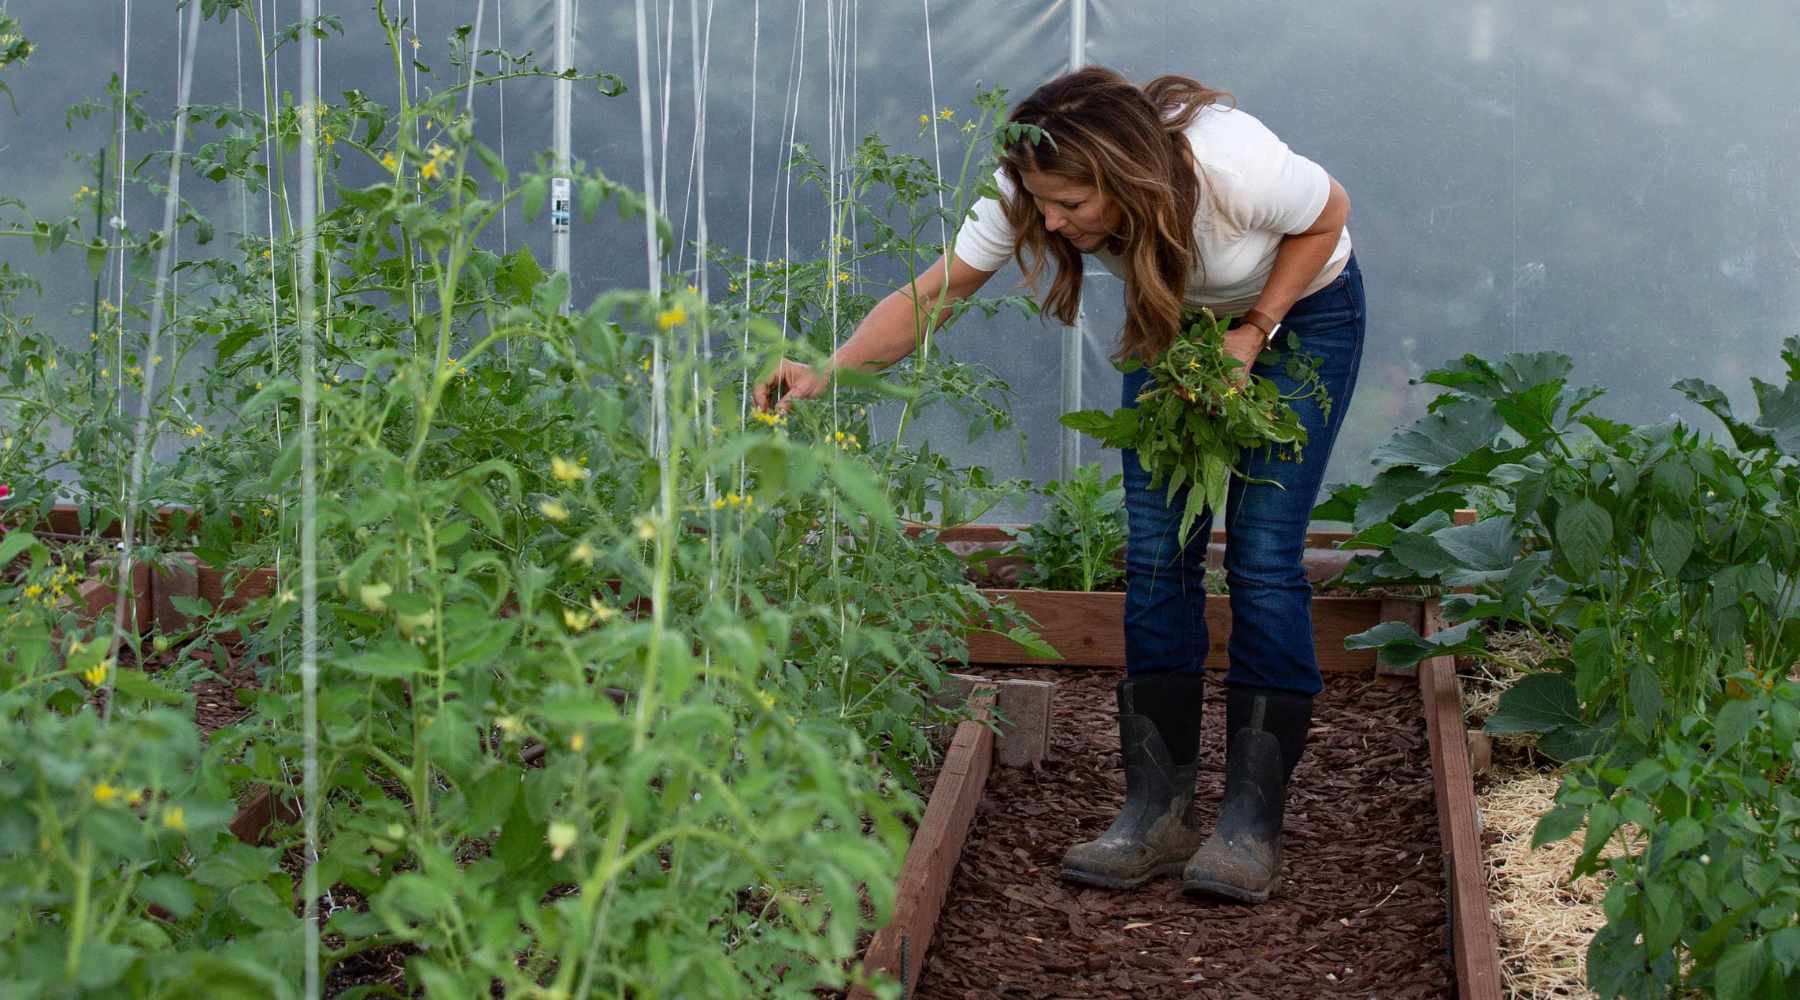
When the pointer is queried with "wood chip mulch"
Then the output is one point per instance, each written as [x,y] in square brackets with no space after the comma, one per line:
[1360,912]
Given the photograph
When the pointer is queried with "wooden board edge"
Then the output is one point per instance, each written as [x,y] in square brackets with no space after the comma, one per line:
[898,949]
[1474,944]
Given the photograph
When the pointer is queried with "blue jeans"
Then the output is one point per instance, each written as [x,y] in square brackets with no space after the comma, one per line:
[1271,600]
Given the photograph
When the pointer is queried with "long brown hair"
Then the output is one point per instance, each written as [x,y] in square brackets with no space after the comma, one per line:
[1104,131]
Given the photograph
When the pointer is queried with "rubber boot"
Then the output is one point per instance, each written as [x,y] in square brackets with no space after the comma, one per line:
[1159,741]
[1266,732]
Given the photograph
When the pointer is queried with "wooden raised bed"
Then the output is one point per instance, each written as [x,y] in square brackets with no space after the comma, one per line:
[900,946]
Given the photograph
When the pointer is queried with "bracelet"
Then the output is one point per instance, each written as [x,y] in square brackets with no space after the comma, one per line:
[1262,321]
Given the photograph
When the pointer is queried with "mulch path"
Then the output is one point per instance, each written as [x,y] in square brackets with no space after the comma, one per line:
[1360,911]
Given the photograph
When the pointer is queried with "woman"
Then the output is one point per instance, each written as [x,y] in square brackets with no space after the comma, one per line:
[1192,203]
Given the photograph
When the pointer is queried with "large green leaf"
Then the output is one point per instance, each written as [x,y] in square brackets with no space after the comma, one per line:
[1740,970]
[1671,542]
[1584,530]
[1481,552]
[1442,437]
[1401,646]
[1536,703]
[1117,429]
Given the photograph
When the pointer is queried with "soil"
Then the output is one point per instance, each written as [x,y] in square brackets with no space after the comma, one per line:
[1360,910]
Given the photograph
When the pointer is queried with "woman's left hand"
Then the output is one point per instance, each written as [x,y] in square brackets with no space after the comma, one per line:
[1244,342]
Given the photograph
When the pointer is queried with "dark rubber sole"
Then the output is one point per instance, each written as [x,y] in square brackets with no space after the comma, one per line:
[1221,890]
[1100,881]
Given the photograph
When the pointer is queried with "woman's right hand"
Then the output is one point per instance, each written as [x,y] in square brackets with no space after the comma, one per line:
[793,381]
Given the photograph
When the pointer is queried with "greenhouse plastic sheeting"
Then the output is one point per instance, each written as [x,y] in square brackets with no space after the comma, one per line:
[1606,179]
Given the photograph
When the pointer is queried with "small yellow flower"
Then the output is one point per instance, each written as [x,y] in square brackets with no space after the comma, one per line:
[576,619]
[175,818]
[96,674]
[602,613]
[135,796]
[106,373]
[287,597]
[718,503]
[416,44]
[508,724]
[267,512]
[924,119]
[646,364]
[195,431]
[104,793]
[93,338]
[946,113]
[389,163]
[693,289]
[583,553]
[671,317]
[554,510]
[732,287]
[51,364]
[1230,391]
[156,359]
[561,837]
[34,589]
[767,699]
[643,528]
[135,371]
[768,419]
[566,471]
[428,170]
[578,742]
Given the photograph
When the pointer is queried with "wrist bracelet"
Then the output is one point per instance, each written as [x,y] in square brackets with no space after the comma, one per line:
[1262,321]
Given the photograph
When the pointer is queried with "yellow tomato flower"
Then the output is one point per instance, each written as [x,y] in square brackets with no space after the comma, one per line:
[389,162]
[671,317]
[104,793]
[34,589]
[96,674]
[554,510]
[174,818]
[135,796]
[428,170]
[567,471]
[195,431]
[602,613]
[576,620]
[643,529]
[583,553]
[946,113]
[924,119]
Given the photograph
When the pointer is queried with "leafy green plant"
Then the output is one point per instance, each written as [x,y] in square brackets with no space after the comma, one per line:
[1665,562]
[1200,411]
[1076,545]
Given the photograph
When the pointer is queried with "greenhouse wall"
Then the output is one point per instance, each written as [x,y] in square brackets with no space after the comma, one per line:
[1525,176]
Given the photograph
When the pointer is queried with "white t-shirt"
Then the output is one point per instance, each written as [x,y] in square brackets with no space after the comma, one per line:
[1253,191]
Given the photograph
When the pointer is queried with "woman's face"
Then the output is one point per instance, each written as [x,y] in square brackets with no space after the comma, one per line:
[1075,211]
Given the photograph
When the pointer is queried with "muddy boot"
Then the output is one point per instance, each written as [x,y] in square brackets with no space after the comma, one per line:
[1266,731]
[1159,739]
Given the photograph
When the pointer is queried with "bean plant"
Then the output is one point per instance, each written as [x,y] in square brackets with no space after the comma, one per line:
[1665,560]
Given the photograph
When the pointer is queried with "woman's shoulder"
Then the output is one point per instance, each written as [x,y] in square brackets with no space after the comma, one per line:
[1225,137]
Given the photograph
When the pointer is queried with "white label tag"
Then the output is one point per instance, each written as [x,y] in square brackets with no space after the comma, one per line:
[559,205]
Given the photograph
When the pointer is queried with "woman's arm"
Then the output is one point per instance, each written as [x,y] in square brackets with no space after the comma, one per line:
[1297,262]
[891,331]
